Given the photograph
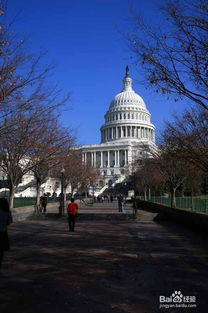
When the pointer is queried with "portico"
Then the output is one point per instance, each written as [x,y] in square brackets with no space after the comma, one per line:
[106,158]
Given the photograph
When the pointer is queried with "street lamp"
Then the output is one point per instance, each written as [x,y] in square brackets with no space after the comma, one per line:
[62,202]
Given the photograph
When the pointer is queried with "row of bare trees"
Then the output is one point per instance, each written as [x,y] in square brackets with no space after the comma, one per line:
[181,160]
[32,140]
[173,60]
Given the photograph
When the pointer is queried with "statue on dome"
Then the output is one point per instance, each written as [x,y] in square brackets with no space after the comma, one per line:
[127,71]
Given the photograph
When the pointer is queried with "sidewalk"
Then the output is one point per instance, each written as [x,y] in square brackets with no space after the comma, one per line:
[104,267]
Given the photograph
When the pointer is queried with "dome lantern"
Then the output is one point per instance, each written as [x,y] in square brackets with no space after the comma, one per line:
[127,82]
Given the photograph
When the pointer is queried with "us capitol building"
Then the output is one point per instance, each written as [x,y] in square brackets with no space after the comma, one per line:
[125,136]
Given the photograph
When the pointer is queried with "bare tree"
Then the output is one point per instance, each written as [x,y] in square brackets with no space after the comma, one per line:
[146,176]
[76,174]
[174,168]
[30,136]
[174,57]
[31,143]
[189,133]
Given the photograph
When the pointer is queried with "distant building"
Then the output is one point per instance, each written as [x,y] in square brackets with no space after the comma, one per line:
[125,135]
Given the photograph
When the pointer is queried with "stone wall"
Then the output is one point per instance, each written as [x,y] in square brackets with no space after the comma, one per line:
[193,220]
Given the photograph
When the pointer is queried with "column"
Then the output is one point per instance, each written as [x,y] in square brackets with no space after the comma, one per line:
[101,159]
[108,158]
[122,132]
[124,157]
[95,165]
[116,132]
[91,158]
[118,158]
[115,158]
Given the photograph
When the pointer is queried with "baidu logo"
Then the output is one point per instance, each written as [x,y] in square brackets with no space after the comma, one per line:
[177,300]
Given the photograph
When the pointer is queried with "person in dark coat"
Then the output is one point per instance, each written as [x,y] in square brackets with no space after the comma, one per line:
[5,220]
[44,202]
[120,203]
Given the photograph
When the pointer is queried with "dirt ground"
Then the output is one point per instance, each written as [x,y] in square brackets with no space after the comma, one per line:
[105,266]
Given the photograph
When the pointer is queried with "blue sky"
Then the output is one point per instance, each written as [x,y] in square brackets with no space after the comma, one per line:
[84,39]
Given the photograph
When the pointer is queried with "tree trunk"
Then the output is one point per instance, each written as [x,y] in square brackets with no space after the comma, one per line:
[64,198]
[173,197]
[145,194]
[11,196]
[149,193]
[192,199]
[38,184]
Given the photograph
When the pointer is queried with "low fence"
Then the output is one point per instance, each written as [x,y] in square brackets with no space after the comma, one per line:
[197,221]
[21,202]
[189,203]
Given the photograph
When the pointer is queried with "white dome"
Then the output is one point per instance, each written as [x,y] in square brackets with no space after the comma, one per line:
[127,98]
[127,116]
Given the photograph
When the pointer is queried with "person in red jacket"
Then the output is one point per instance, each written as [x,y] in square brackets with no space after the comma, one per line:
[72,214]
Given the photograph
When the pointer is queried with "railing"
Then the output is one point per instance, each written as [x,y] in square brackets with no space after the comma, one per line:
[190,203]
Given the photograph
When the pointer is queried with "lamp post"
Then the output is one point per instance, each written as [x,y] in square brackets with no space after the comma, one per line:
[62,192]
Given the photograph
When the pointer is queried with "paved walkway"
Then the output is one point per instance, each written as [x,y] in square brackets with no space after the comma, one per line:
[104,267]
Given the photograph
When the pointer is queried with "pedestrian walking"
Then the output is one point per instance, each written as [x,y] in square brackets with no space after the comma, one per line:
[43,202]
[72,214]
[5,220]
[120,203]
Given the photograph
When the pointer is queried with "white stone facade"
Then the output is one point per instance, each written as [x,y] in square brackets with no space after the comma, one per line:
[126,133]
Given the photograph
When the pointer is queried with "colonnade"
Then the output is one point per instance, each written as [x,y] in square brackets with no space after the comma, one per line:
[109,158]
[119,132]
